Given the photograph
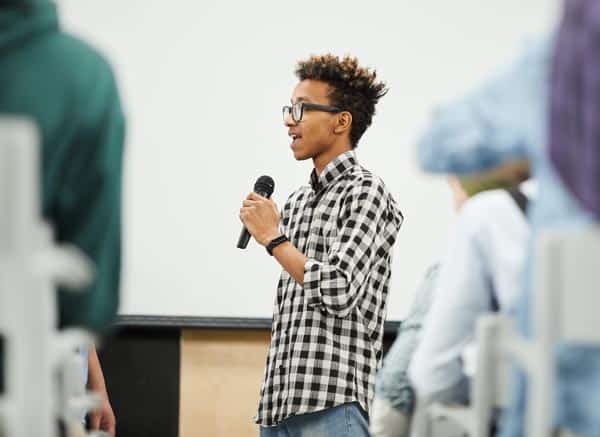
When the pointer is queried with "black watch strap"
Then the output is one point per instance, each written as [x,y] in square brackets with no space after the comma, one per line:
[276,242]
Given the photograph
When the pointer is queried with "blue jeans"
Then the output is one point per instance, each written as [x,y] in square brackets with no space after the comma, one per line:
[347,420]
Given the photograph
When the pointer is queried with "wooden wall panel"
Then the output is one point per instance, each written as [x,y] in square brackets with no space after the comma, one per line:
[221,375]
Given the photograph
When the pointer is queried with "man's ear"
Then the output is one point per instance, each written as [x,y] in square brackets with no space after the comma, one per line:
[344,122]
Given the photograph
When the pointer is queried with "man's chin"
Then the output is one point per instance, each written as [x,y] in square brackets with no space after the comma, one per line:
[299,156]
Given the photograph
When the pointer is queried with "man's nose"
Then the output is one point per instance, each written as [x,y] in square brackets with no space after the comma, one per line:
[288,121]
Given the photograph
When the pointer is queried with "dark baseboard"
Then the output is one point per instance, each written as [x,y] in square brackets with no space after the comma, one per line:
[192,322]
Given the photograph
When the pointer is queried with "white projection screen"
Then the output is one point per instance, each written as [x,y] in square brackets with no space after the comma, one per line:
[203,83]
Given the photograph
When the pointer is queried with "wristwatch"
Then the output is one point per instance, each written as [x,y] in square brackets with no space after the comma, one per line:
[276,242]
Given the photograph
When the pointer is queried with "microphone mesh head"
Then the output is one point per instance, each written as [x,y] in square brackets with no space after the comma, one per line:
[264,185]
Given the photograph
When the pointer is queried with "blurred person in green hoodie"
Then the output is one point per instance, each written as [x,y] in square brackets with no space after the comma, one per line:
[68,89]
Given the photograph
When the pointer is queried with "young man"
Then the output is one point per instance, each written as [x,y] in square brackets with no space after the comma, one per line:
[334,243]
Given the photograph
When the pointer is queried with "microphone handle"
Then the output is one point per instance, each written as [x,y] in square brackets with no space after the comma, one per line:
[244,238]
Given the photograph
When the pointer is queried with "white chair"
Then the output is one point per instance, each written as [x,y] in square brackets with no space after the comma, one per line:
[565,302]
[488,386]
[30,269]
[565,310]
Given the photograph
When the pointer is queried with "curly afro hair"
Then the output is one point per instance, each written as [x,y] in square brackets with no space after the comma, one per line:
[353,88]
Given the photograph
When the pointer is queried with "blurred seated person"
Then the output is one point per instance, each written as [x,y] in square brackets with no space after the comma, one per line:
[394,401]
[480,273]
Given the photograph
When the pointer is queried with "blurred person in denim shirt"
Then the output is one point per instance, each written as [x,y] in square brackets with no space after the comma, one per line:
[506,119]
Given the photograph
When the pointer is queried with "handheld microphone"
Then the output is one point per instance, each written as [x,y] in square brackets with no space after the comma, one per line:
[264,186]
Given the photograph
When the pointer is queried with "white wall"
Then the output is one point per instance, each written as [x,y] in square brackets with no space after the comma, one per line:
[203,83]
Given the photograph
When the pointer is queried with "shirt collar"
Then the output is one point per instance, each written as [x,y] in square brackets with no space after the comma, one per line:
[333,170]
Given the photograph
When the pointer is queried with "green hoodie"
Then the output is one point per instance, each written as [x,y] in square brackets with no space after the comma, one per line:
[69,90]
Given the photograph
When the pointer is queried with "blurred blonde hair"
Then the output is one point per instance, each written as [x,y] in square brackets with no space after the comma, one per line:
[507,175]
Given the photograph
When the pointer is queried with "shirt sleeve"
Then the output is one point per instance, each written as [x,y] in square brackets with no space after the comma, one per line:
[368,229]
[499,121]
[89,211]
[462,294]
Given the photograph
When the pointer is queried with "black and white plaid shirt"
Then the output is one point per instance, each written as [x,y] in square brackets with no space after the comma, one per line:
[326,339]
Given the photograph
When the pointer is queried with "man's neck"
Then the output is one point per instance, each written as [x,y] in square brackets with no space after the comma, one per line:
[321,161]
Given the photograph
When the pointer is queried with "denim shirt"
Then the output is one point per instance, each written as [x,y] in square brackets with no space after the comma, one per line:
[505,119]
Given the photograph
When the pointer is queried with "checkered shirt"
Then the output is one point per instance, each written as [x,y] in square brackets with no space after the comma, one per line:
[326,338]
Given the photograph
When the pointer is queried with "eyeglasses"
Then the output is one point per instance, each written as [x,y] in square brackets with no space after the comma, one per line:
[297,110]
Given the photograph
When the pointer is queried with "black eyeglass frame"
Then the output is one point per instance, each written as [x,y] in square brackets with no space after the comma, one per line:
[306,105]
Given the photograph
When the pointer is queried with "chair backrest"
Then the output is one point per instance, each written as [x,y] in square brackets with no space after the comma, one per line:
[27,305]
[494,364]
[567,286]
[19,183]
[31,267]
